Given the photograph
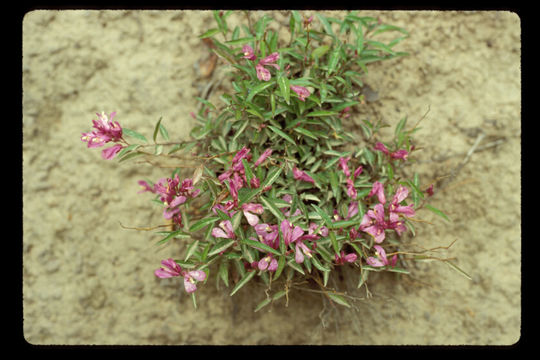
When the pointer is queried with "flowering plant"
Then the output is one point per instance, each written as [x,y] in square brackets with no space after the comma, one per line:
[279,189]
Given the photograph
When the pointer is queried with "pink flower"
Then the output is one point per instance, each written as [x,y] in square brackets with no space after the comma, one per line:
[401,194]
[106,131]
[374,223]
[315,229]
[300,250]
[290,232]
[248,52]
[262,73]
[358,171]
[345,113]
[250,209]
[342,258]
[400,154]
[396,224]
[351,190]
[378,189]
[145,187]
[267,263]
[255,182]
[227,208]
[380,258]
[268,234]
[225,230]
[111,152]
[190,279]
[263,157]
[429,190]
[300,175]
[380,146]
[352,209]
[285,210]
[343,165]
[301,91]
[170,269]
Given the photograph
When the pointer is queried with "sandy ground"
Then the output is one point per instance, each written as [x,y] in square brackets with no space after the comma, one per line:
[88,281]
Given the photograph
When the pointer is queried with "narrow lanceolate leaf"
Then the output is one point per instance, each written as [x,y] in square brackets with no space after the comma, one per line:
[221,246]
[333,240]
[202,223]
[133,134]
[437,212]
[306,132]
[171,235]
[318,264]
[271,177]
[279,270]
[285,88]
[243,281]
[223,273]
[259,88]
[156,129]
[322,113]
[261,246]
[459,270]
[269,204]
[323,215]
[282,134]
[209,33]
[339,299]
[263,304]
[191,249]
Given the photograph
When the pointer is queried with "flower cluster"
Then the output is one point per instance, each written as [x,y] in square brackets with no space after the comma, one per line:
[106,130]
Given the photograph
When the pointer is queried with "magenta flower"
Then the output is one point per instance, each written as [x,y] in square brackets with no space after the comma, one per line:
[300,250]
[343,165]
[400,154]
[358,171]
[352,210]
[380,258]
[144,187]
[268,234]
[396,224]
[263,157]
[225,230]
[301,91]
[286,211]
[374,223]
[351,190]
[300,175]
[380,146]
[227,208]
[345,113]
[429,190]
[267,263]
[248,52]
[401,194]
[191,278]
[251,210]
[262,72]
[111,152]
[106,131]
[378,189]
[315,229]
[343,258]
[171,269]
[290,232]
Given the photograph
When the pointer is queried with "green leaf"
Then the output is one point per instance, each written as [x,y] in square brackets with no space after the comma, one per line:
[327,26]
[318,264]
[209,33]
[437,212]
[306,132]
[156,129]
[173,234]
[223,273]
[271,177]
[459,270]
[261,246]
[296,266]
[240,41]
[221,246]
[243,281]
[284,87]
[257,89]
[320,51]
[191,249]
[334,241]
[322,113]
[133,134]
[281,266]
[262,304]
[282,134]
[202,223]
[269,204]
[323,215]
[339,299]
[333,61]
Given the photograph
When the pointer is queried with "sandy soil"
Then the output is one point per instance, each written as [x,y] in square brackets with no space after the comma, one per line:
[88,281]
